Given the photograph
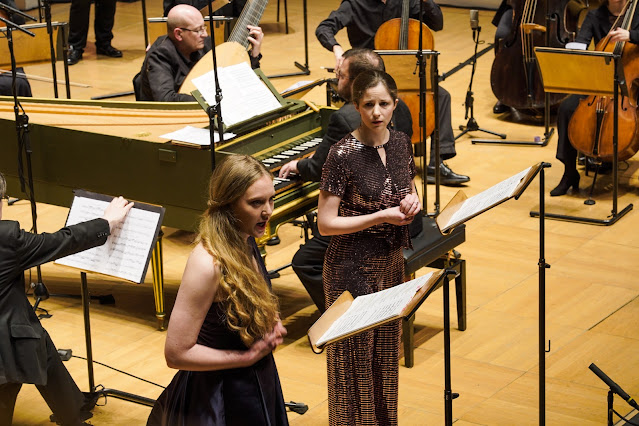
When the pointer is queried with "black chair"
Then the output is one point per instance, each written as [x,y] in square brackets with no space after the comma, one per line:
[431,248]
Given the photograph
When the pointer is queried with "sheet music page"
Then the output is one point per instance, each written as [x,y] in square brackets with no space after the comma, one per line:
[296,85]
[487,198]
[126,251]
[196,136]
[244,95]
[374,308]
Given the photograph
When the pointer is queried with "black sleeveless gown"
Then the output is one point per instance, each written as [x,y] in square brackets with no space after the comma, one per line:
[239,396]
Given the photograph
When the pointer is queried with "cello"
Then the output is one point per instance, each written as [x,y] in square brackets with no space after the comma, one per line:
[591,126]
[403,34]
[514,76]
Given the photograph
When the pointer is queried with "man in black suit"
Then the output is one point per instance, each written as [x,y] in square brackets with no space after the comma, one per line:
[27,354]
[172,56]
[309,259]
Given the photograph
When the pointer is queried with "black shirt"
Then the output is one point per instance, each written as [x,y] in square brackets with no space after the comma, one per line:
[598,23]
[362,18]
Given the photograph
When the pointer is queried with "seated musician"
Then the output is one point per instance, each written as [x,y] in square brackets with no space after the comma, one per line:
[362,19]
[171,57]
[596,26]
[309,259]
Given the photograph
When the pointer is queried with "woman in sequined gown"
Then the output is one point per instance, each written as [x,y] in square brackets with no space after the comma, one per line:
[366,202]
[225,322]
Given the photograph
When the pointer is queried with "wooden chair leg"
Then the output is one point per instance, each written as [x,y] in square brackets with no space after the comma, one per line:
[460,290]
[408,336]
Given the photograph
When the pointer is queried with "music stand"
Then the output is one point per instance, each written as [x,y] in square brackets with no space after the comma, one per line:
[126,255]
[303,68]
[562,72]
[396,63]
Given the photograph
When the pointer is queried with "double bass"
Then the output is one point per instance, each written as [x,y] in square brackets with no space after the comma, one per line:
[514,77]
[591,126]
[403,34]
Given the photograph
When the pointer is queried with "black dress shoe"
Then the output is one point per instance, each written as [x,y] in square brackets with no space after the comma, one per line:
[448,177]
[499,108]
[108,51]
[567,180]
[74,56]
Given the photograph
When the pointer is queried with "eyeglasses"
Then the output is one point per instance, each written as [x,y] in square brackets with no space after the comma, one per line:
[201,30]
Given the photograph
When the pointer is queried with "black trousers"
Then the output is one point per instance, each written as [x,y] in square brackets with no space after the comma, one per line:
[79,23]
[308,264]
[60,393]
[566,153]
[446,136]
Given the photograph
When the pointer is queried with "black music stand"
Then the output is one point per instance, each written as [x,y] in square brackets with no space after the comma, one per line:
[127,255]
[303,68]
[405,59]
[603,68]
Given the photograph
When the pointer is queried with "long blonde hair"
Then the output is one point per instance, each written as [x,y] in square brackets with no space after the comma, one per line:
[251,307]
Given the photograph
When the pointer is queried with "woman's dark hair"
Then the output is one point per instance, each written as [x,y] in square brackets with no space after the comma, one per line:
[372,78]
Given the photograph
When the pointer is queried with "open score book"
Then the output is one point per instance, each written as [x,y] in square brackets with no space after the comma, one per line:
[461,208]
[347,316]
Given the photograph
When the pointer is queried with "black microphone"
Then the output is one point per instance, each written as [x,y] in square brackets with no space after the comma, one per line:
[613,386]
[474,19]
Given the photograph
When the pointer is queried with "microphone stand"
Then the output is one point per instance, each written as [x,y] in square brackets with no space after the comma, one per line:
[47,18]
[215,110]
[471,125]
[22,132]
[613,388]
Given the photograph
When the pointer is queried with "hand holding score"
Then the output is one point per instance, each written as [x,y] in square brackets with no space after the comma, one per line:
[116,211]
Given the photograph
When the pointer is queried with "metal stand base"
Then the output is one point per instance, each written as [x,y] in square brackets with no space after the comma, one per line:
[87,335]
[610,220]
[541,142]
[472,126]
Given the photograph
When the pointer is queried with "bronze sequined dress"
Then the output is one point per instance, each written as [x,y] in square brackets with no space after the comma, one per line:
[362,370]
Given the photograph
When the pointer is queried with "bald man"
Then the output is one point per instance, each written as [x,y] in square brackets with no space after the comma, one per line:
[171,57]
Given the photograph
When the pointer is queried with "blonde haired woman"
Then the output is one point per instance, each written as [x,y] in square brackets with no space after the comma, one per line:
[225,322]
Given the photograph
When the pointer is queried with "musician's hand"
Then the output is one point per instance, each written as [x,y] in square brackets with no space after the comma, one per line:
[288,168]
[394,216]
[410,205]
[255,38]
[338,52]
[116,211]
[619,34]
[260,348]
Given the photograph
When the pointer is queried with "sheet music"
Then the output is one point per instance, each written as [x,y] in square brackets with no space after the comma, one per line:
[126,251]
[374,308]
[486,199]
[296,85]
[244,95]
[196,136]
